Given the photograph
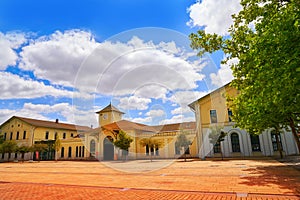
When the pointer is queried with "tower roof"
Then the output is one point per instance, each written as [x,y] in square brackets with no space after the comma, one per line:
[110,108]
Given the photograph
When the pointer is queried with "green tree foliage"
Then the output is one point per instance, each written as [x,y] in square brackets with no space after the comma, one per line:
[123,142]
[217,135]
[151,143]
[8,146]
[1,138]
[183,142]
[265,38]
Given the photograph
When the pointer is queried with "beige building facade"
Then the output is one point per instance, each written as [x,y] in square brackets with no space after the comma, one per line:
[213,110]
[85,143]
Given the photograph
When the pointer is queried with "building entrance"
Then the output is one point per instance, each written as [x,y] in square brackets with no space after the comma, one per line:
[108,149]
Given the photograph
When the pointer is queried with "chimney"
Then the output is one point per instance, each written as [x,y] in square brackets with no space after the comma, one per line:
[56,121]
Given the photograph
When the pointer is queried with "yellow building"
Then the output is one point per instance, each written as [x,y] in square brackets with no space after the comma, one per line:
[213,110]
[27,132]
[99,140]
[81,142]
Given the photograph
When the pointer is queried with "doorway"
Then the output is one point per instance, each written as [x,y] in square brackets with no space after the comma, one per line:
[108,149]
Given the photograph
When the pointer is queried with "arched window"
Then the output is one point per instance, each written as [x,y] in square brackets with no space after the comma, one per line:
[147,150]
[92,147]
[235,142]
[70,152]
[274,142]
[64,135]
[62,153]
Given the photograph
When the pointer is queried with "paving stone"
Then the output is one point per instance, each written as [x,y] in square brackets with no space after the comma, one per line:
[209,179]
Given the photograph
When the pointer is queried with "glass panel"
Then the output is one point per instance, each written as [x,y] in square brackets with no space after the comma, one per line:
[255,142]
[213,116]
[273,139]
[217,147]
[235,142]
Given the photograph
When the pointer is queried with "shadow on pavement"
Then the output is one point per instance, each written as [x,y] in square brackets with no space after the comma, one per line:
[284,177]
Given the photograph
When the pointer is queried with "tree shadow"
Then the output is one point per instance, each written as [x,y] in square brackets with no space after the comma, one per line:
[285,177]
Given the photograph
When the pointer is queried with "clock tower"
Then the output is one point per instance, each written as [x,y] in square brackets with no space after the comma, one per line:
[109,114]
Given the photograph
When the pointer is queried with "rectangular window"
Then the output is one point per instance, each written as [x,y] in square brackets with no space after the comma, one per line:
[11,135]
[64,135]
[62,154]
[213,116]
[47,135]
[24,135]
[18,134]
[255,142]
[147,150]
[4,136]
[229,115]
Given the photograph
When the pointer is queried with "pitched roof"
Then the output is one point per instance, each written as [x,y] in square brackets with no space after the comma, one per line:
[175,127]
[109,108]
[128,125]
[51,124]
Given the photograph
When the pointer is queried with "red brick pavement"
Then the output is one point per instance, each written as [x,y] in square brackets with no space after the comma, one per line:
[231,179]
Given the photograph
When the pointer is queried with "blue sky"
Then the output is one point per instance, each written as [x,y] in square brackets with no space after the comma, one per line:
[68,59]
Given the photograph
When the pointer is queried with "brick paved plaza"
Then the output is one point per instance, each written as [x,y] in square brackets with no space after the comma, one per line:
[163,179]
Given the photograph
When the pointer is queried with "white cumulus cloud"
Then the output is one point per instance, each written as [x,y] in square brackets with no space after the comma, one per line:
[58,57]
[9,42]
[214,15]
[73,58]
[177,119]
[14,87]
[39,111]
[224,74]
[134,103]
[155,113]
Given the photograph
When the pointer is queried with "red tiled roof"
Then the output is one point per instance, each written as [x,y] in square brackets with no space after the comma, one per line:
[128,125]
[52,124]
[175,127]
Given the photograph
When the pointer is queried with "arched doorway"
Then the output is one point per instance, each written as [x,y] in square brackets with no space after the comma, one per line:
[92,148]
[108,148]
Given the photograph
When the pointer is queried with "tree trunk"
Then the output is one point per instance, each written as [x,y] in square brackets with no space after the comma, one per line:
[221,150]
[278,143]
[296,137]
